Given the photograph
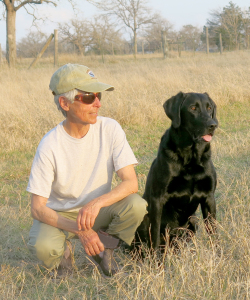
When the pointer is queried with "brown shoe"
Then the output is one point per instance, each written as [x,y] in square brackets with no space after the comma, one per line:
[105,260]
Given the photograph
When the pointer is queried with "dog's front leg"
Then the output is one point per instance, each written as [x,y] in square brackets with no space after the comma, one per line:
[155,223]
[208,208]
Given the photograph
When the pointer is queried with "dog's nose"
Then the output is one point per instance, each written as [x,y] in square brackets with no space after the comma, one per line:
[212,126]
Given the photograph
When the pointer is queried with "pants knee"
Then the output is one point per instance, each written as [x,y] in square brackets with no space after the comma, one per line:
[137,206]
[46,243]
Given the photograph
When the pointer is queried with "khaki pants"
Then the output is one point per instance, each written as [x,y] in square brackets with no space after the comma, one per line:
[121,219]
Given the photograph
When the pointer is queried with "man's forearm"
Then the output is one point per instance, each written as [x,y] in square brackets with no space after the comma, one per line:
[121,191]
[47,215]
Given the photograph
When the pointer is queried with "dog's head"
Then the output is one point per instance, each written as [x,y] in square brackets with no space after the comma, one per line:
[195,112]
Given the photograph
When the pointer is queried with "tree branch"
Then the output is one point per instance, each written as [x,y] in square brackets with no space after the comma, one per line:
[33,2]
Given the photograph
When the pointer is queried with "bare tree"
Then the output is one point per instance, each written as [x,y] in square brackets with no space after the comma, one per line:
[10,10]
[246,26]
[104,35]
[31,44]
[77,33]
[228,22]
[191,35]
[153,34]
[131,13]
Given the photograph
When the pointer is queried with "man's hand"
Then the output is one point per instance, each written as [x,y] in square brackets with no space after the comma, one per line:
[91,242]
[87,215]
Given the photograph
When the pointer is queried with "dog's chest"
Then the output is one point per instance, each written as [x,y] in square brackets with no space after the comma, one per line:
[191,182]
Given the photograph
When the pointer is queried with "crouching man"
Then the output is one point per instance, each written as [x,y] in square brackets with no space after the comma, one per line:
[71,176]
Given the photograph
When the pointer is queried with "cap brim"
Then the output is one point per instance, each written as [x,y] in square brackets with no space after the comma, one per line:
[95,87]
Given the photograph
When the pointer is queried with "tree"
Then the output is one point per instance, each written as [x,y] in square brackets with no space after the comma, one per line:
[246,26]
[30,45]
[191,35]
[153,36]
[131,13]
[10,11]
[228,22]
[104,35]
[77,33]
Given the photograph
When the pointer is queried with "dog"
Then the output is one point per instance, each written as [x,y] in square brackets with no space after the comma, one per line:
[182,176]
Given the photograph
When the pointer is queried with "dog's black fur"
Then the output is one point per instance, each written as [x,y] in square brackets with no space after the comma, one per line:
[182,176]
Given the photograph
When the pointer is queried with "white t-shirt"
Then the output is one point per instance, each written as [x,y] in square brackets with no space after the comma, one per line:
[71,172]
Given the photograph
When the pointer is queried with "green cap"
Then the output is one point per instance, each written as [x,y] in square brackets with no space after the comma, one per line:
[73,76]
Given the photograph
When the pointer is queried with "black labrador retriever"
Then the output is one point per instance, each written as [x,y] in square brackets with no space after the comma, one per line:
[182,176]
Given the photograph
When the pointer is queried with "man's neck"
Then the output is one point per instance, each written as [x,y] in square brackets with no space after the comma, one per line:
[76,130]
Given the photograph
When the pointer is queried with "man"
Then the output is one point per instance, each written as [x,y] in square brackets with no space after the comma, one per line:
[71,177]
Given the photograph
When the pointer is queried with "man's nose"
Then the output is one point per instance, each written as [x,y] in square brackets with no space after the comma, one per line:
[97,102]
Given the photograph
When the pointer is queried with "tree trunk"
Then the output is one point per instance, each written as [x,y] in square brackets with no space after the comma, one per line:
[135,36]
[11,36]
[135,43]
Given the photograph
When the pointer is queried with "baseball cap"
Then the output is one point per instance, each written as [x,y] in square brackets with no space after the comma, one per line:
[74,76]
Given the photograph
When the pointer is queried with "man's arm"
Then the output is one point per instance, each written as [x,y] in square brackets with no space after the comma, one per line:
[42,213]
[129,185]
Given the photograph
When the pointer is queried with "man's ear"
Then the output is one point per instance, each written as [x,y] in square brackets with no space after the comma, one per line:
[64,103]
[172,108]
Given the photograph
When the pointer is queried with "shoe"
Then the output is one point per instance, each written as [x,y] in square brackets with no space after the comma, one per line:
[106,264]
[105,260]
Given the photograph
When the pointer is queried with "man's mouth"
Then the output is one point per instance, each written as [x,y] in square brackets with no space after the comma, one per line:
[207,138]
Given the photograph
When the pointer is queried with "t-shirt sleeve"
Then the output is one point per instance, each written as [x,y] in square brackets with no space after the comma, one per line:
[122,153]
[41,176]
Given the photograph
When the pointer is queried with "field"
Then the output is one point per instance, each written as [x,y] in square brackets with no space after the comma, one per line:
[200,271]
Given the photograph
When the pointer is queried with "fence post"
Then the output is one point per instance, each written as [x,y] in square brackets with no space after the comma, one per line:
[56,47]
[221,49]
[207,40]
[164,44]
[179,45]
[42,51]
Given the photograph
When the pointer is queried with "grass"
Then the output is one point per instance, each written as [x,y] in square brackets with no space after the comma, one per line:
[142,86]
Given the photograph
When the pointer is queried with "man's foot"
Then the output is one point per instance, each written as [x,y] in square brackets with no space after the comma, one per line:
[106,262]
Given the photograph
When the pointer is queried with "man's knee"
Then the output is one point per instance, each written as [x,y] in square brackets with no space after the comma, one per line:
[137,206]
[45,245]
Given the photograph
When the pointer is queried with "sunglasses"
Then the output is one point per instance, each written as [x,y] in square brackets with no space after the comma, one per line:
[88,98]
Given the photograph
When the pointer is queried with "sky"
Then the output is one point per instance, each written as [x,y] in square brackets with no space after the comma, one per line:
[178,12]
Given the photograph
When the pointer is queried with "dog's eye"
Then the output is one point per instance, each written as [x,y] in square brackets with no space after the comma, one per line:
[209,108]
[193,107]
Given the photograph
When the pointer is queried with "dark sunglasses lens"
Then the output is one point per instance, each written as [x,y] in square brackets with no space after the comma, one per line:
[88,98]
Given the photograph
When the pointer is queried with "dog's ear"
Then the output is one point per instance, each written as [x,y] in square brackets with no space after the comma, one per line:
[214,107]
[172,108]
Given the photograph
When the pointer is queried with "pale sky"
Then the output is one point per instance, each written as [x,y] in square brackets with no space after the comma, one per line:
[178,12]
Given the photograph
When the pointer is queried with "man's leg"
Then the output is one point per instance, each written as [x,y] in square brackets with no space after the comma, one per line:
[122,218]
[47,243]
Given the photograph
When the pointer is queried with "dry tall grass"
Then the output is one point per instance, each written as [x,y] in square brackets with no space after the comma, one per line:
[198,272]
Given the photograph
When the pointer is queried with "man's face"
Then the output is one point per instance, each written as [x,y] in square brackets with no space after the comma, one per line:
[81,112]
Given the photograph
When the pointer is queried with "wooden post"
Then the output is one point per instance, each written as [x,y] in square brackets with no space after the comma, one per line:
[56,47]
[207,40]
[42,51]
[221,49]
[179,44]
[164,44]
